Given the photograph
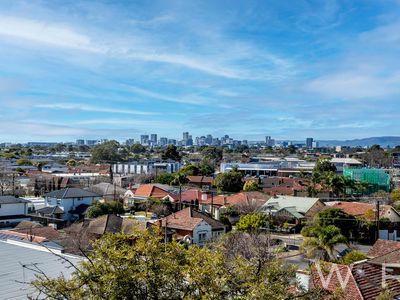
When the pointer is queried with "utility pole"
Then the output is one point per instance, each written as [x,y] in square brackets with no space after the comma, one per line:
[377,219]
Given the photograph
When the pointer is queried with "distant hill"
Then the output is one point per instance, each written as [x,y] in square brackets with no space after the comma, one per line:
[383,141]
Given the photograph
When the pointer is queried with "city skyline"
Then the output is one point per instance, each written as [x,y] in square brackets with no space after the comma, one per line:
[115,70]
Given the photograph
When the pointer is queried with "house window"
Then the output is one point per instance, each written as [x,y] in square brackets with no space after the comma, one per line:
[202,237]
[58,201]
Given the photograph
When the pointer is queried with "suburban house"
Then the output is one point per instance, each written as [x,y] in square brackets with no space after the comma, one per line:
[140,194]
[190,224]
[12,210]
[283,185]
[80,235]
[108,191]
[215,205]
[366,210]
[294,209]
[366,278]
[203,182]
[69,203]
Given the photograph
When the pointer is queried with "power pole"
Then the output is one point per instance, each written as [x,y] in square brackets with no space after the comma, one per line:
[377,219]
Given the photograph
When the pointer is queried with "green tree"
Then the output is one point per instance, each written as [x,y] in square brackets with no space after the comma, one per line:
[337,217]
[321,241]
[190,170]
[171,152]
[24,162]
[352,257]
[251,185]
[213,154]
[140,266]
[229,182]
[165,178]
[252,222]
[106,152]
[395,195]
[138,148]
[104,208]
[324,165]
[206,168]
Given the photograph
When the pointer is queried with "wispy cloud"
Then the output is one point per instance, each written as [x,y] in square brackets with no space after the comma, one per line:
[46,33]
[90,108]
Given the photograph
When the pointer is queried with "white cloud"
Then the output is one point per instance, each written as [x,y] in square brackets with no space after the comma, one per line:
[46,33]
[356,84]
[83,107]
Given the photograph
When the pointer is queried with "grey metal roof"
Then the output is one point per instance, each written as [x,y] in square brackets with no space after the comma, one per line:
[49,210]
[17,262]
[71,193]
[11,200]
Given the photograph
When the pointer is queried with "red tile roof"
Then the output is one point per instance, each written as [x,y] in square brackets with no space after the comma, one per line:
[188,219]
[351,290]
[200,179]
[369,280]
[150,190]
[382,247]
[359,209]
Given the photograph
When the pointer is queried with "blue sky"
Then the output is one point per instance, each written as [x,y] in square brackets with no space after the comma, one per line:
[117,69]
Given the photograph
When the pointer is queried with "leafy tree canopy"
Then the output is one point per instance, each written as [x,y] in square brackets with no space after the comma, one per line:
[171,152]
[252,222]
[106,152]
[251,185]
[229,182]
[165,178]
[123,267]
[104,208]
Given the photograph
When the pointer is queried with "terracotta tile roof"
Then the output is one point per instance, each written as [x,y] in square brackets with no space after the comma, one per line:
[150,190]
[47,232]
[247,198]
[351,290]
[24,236]
[369,280]
[392,258]
[382,247]
[356,209]
[188,219]
[200,179]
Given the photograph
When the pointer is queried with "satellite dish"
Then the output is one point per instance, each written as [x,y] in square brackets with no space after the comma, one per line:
[188,239]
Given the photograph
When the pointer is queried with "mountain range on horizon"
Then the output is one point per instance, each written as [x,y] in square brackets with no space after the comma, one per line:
[384,141]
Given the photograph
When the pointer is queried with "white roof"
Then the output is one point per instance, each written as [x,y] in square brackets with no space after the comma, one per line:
[302,204]
[19,260]
[349,161]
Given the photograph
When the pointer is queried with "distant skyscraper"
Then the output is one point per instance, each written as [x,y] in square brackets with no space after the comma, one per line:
[269,141]
[163,141]
[129,142]
[171,142]
[80,142]
[185,136]
[144,139]
[309,143]
[153,139]
[209,139]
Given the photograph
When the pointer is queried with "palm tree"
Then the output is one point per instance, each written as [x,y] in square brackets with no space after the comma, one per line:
[321,241]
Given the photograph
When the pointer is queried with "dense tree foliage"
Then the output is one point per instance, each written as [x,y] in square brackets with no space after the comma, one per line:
[352,257]
[229,182]
[171,152]
[106,152]
[253,222]
[251,185]
[141,267]
[337,217]
[104,208]
[321,241]
[164,178]
[213,154]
